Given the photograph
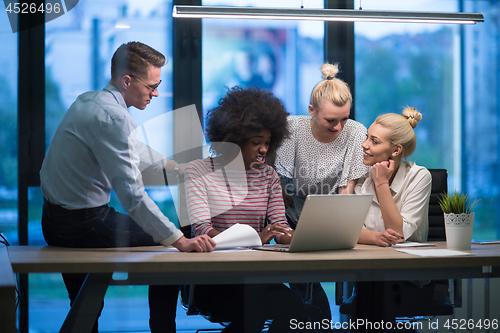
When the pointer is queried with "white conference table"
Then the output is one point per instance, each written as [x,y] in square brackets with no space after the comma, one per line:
[159,265]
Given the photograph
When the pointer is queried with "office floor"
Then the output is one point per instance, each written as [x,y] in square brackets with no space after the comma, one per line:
[123,315]
[119,315]
[129,313]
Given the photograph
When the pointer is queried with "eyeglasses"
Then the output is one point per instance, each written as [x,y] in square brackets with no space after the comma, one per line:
[152,88]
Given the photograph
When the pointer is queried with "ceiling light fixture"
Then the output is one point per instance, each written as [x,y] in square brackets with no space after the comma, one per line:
[347,15]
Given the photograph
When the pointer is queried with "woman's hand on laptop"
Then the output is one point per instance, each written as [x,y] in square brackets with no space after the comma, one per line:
[274,230]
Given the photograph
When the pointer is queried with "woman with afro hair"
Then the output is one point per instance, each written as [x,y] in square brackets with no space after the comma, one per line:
[235,185]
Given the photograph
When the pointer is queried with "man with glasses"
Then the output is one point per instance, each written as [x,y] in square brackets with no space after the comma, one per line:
[94,151]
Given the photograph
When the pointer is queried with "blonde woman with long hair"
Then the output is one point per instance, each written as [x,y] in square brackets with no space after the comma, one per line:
[399,211]
[401,189]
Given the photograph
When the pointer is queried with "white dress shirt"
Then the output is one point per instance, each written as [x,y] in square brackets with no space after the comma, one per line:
[94,150]
[411,189]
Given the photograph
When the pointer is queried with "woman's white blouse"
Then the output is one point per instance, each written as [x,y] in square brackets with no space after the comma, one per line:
[411,189]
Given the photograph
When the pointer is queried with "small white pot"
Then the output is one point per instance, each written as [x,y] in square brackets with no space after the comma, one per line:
[459,229]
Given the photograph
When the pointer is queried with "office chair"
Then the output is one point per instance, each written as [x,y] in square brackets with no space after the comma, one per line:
[187,301]
[436,217]
[440,304]
[187,293]
[188,297]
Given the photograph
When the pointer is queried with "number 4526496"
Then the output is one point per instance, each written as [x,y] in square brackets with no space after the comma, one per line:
[464,324]
[32,8]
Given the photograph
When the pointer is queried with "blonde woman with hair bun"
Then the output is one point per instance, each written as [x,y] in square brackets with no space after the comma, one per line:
[399,211]
[401,189]
[323,155]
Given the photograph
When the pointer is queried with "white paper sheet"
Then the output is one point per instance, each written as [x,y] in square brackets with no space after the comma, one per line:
[236,236]
[435,252]
[234,249]
[413,244]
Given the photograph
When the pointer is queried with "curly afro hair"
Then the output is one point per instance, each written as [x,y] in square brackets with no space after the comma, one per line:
[242,113]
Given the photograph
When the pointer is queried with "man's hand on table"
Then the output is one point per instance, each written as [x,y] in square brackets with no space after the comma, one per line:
[203,243]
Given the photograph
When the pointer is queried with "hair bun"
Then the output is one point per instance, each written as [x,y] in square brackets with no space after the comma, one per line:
[412,115]
[328,71]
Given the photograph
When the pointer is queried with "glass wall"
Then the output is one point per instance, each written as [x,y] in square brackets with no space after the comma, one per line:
[415,65]
[452,78]
[453,82]
[78,50]
[79,47]
[281,56]
[8,131]
[481,117]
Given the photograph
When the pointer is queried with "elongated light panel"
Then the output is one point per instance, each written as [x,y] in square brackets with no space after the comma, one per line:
[347,15]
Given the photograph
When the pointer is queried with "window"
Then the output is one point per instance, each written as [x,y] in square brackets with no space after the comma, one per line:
[283,57]
[399,65]
[8,131]
[78,50]
[481,117]
[453,82]
[450,73]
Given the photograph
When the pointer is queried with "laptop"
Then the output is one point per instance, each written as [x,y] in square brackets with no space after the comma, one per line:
[327,222]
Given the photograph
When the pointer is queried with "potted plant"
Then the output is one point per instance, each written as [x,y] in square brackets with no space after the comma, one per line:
[456,203]
[458,219]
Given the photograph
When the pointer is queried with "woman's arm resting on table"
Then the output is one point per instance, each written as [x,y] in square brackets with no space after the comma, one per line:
[385,238]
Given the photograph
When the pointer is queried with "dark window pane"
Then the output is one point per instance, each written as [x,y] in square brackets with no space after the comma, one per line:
[79,47]
[281,56]
[8,132]
[481,79]
[420,65]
